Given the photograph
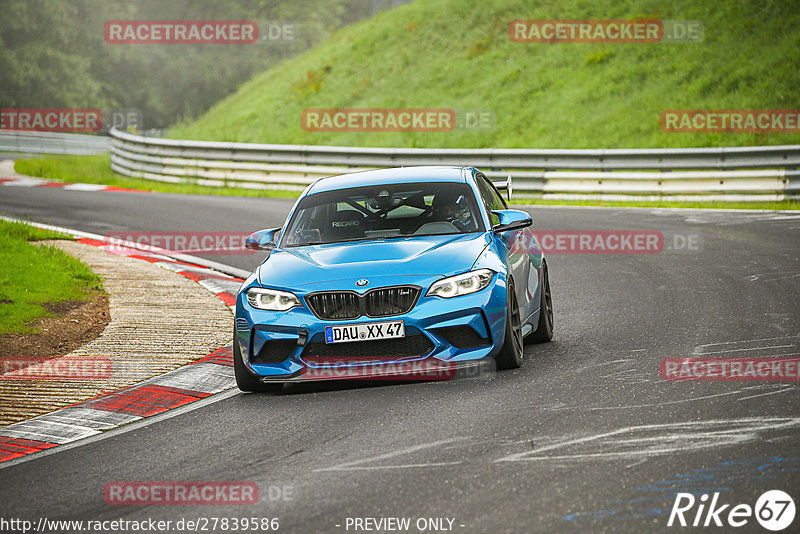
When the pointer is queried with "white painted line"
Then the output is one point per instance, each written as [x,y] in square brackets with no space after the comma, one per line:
[635,464]
[382,467]
[349,466]
[657,404]
[525,455]
[749,349]
[765,394]
[698,349]
[772,277]
[654,440]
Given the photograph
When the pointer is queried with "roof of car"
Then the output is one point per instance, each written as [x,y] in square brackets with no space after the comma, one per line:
[397,175]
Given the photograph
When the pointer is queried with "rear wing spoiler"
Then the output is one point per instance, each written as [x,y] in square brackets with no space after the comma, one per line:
[505,186]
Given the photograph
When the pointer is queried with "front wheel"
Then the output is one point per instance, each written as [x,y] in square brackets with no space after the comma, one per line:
[510,356]
[245,380]
[544,330]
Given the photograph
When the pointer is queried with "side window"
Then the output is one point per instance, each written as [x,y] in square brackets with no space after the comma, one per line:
[491,198]
[486,195]
[497,199]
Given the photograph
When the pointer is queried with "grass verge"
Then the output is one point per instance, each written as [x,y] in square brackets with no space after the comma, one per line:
[97,170]
[33,277]
[457,54]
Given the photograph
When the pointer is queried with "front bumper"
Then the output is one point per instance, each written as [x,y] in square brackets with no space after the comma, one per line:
[294,341]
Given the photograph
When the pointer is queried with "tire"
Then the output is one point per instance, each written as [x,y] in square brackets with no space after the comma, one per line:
[245,380]
[510,356]
[544,330]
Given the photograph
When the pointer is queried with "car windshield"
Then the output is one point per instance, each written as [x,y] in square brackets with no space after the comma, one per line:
[383,212]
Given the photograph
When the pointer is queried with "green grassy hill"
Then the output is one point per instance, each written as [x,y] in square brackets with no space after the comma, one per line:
[457,54]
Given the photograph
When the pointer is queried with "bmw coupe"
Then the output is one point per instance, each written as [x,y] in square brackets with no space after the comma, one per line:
[382,273]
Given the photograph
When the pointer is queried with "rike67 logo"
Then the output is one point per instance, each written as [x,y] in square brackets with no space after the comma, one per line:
[774,510]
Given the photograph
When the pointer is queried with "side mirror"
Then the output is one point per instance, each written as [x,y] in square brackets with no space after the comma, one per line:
[511,220]
[261,240]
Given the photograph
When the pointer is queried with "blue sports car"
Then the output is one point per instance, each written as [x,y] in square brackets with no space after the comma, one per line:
[392,274]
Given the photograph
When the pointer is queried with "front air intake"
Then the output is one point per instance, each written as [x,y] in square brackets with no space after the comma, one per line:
[378,302]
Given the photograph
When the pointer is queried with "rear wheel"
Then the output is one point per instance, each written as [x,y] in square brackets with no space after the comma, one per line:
[245,380]
[510,356]
[544,330]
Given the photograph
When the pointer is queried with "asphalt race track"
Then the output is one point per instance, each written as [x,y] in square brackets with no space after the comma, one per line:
[586,436]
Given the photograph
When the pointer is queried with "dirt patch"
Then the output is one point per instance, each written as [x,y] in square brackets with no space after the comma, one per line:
[75,324]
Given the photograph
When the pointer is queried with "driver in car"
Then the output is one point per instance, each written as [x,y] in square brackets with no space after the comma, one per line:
[449,207]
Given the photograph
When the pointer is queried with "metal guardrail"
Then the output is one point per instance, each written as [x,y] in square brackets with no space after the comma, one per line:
[730,173]
[53,143]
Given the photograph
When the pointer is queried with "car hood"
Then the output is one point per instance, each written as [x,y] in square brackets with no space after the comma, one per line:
[306,267]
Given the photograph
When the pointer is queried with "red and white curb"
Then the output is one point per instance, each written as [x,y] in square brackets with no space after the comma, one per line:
[221,284]
[10,178]
[36,182]
[190,383]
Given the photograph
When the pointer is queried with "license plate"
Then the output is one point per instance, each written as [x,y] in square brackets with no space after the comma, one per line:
[364,332]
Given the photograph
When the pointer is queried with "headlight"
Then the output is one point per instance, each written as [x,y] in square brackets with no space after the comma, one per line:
[272,299]
[462,284]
